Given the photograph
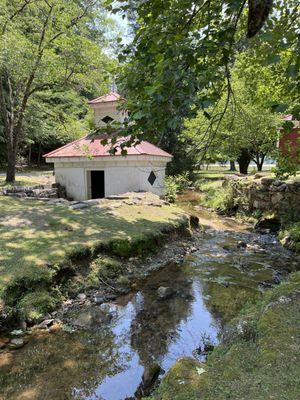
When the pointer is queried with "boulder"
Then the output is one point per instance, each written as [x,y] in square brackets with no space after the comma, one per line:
[267,181]
[164,293]
[271,223]
[80,206]
[46,323]
[17,332]
[276,198]
[149,380]
[194,221]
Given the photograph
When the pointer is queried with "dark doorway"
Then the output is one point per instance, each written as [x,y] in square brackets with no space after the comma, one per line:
[97,184]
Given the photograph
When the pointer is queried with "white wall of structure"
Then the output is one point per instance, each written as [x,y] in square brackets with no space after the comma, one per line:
[121,175]
[110,109]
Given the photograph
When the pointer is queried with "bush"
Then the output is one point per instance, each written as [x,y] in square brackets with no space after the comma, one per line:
[285,168]
[176,184]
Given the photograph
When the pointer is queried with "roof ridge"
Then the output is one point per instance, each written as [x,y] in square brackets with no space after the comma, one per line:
[116,95]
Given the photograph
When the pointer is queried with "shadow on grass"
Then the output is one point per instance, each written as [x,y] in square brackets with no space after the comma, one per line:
[34,236]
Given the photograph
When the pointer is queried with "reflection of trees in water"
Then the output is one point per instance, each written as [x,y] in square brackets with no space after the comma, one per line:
[53,366]
[225,301]
[156,322]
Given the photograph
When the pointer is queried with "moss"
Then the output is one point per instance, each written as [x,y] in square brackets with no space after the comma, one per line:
[182,381]
[35,304]
[290,236]
[260,358]
[123,281]
[136,246]
[106,267]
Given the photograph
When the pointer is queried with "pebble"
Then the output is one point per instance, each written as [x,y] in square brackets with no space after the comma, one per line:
[164,293]
[99,299]
[17,332]
[55,328]
[241,244]
[81,296]
[16,343]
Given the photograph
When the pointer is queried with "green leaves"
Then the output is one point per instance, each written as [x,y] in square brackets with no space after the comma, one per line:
[273,59]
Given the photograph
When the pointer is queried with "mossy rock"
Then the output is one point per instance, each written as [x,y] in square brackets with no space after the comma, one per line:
[34,305]
[182,381]
[135,247]
[106,267]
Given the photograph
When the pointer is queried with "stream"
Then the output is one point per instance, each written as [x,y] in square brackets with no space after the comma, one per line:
[228,266]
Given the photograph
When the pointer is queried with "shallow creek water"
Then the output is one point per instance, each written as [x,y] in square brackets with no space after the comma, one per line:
[107,359]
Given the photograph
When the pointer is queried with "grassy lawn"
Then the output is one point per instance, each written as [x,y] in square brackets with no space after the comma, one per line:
[37,240]
[33,234]
[29,178]
[217,172]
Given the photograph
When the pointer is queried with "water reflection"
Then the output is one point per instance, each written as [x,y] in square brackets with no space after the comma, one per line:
[107,359]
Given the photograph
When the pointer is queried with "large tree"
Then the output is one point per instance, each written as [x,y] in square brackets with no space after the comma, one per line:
[182,53]
[248,131]
[46,45]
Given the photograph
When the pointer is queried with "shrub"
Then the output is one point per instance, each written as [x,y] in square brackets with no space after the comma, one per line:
[285,168]
[176,184]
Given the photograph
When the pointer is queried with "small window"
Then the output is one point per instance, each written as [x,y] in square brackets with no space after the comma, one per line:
[107,119]
[152,178]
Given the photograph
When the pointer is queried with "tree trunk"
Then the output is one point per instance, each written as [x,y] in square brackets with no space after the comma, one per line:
[29,155]
[39,155]
[11,165]
[232,165]
[244,161]
[259,167]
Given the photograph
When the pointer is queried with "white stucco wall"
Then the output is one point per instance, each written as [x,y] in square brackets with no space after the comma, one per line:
[120,176]
[73,179]
[110,109]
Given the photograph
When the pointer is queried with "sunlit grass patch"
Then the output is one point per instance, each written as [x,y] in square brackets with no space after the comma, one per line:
[30,178]
[35,237]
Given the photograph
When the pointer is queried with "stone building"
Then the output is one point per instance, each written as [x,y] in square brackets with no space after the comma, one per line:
[88,170]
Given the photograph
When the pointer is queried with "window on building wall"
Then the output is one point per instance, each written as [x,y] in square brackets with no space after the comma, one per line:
[107,119]
[152,178]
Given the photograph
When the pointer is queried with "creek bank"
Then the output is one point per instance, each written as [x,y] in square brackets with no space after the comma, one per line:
[112,285]
[271,204]
[102,275]
[114,229]
[258,358]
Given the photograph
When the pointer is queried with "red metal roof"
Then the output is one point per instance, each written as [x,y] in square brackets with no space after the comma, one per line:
[107,98]
[90,146]
[287,117]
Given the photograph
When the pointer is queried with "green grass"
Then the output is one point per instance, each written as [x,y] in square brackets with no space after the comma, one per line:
[34,234]
[259,362]
[292,232]
[29,178]
[36,238]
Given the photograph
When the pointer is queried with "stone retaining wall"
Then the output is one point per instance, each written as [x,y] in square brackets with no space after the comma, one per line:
[38,191]
[266,194]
